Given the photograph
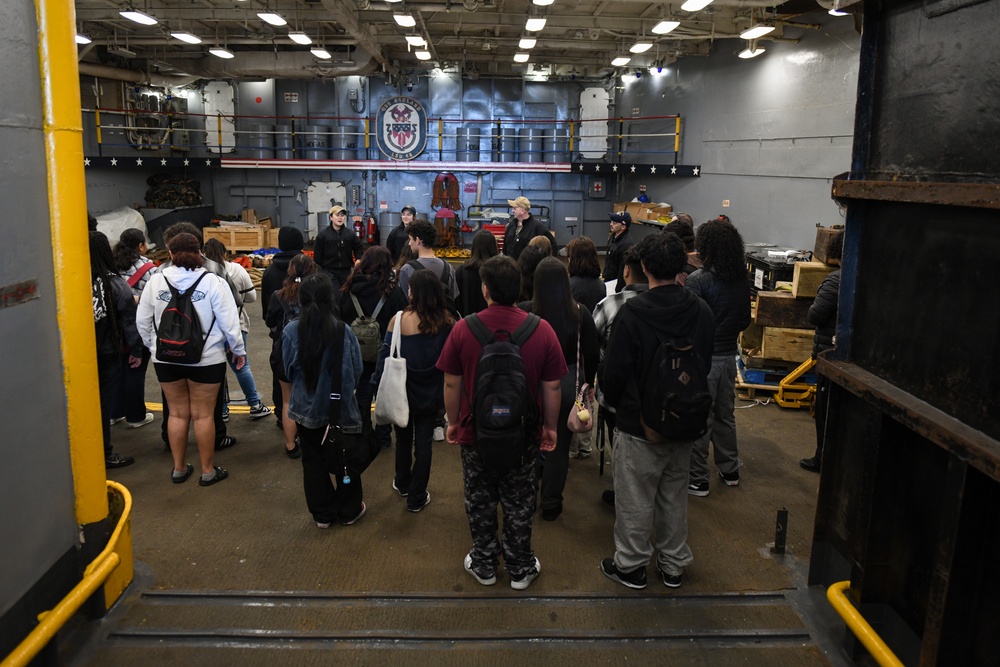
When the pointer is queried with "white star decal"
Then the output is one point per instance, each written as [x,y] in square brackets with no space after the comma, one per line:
[652,169]
[597,167]
[633,169]
[138,162]
[186,162]
[614,168]
[208,163]
[86,162]
[673,170]
[696,171]
[114,162]
[581,167]
[163,162]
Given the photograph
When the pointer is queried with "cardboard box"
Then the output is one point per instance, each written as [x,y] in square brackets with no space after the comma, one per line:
[618,207]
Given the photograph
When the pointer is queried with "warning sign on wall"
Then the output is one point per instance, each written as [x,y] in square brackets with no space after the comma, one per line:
[291,97]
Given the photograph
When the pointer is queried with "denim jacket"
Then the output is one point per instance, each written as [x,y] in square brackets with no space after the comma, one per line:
[312,408]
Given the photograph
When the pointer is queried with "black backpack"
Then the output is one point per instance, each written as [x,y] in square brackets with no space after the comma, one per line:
[674,398]
[446,270]
[504,414]
[179,335]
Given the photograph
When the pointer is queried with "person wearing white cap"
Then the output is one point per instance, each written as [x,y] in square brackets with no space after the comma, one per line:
[338,248]
[522,228]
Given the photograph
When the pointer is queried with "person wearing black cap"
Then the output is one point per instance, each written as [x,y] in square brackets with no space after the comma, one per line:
[290,244]
[338,248]
[619,242]
[397,237]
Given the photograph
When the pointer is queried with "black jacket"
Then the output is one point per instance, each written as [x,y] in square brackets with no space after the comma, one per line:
[590,344]
[336,250]
[614,261]
[668,311]
[111,342]
[470,290]
[396,241]
[368,297]
[274,276]
[514,243]
[823,313]
[588,291]
[730,305]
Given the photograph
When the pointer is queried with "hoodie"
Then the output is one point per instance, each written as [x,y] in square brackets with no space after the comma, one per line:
[667,311]
[274,276]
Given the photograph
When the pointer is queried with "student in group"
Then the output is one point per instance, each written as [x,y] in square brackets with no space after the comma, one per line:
[526,264]
[129,403]
[424,326]
[290,244]
[397,237]
[484,246]
[308,352]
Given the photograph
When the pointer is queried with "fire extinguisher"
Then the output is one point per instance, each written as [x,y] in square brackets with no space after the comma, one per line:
[359,229]
[373,232]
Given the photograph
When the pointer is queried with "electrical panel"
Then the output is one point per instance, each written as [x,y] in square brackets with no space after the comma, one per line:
[355,196]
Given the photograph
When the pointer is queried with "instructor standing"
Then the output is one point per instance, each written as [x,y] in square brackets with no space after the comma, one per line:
[338,248]
[522,228]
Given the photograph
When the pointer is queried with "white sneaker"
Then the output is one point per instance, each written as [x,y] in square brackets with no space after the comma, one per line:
[438,433]
[115,420]
[147,420]
[525,581]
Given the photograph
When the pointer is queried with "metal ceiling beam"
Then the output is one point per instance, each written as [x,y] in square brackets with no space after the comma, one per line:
[341,12]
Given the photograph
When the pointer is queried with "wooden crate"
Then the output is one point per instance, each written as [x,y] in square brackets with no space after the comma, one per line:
[807,278]
[236,238]
[781,309]
[825,237]
[786,344]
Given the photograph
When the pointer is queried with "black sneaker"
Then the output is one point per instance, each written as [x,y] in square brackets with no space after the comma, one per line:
[634,579]
[730,478]
[669,580]
[116,460]
[259,411]
[608,497]
[810,464]
[700,489]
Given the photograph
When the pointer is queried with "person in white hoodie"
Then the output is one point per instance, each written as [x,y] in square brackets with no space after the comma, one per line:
[192,389]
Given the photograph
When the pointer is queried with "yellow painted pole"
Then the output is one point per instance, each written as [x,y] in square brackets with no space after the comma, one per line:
[440,134]
[677,135]
[572,136]
[97,123]
[882,654]
[67,192]
[219,129]
[367,134]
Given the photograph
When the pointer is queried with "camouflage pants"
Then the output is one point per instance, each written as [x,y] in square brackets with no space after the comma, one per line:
[515,492]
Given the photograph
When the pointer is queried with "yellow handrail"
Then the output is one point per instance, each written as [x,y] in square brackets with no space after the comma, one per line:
[50,622]
[859,626]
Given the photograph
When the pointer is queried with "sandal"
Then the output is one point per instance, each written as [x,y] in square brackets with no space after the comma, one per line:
[183,478]
[225,443]
[220,474]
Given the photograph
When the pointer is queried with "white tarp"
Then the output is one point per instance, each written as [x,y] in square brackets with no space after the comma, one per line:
[117,221]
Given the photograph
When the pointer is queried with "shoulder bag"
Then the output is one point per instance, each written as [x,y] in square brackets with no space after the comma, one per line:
[581,414]
[346,452]
[391,404]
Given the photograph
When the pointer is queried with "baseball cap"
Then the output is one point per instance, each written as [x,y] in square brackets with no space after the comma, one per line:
[520,202]
[409,208]
[624,217]
[337,209]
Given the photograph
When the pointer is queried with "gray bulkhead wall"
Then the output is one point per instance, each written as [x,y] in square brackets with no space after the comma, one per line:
[38,523]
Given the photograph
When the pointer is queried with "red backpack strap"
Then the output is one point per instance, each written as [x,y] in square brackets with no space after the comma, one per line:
[134,279]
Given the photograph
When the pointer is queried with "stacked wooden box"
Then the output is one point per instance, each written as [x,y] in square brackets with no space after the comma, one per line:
[249,233]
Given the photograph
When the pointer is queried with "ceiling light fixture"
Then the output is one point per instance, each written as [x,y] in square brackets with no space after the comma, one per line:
[416,40]
[186,37]
[757,30]
[657,69]
[299,38]
[83,39]
[751,52]
[527,43]
[272,18]
[837,12]
[422,55]
[521,57]
[320,52]
[220,52]
[137,16]
[641,47]
[620,61]
[664,26]
[542,3]
[695,5]
[404,20]
[535,23]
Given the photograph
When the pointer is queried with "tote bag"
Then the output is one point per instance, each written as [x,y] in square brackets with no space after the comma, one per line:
[391,406]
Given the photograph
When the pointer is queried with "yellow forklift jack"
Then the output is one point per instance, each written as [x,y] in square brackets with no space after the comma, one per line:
[792,394]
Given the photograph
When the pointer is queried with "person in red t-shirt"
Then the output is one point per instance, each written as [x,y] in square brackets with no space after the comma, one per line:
[485,488]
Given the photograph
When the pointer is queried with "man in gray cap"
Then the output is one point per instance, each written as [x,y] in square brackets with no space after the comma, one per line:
[522,228]
[619,242]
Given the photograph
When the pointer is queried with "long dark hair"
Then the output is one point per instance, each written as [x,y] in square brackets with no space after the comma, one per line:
[721,249]
[215,250]
[428,302]
[126,251]
[582,254]
[527,262]
[553,301]
[376,264]
[317,323]
[484,246]
[102,267]
[300,268]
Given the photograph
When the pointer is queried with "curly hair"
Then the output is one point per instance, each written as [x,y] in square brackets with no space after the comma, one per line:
[662,255]
[300,268]
[376,264]
[185,251]
[428,302]
[582,254]
[126,251]
[423,231]
[722,250]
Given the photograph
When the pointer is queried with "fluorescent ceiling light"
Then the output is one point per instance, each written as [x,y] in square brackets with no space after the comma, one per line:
[542,3]
[747,53]
[755,31]
[272,18]
[416,40]
[186,37]
[320,52]
[695,5]
[219,52]
[392,1]
[299,38]
[837,12]
[620,61]
[527,43]
[138,17]
[663,27]
[404,20]
[534,24]
[422,55]
[521,57]
[641,47]
[82,39]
